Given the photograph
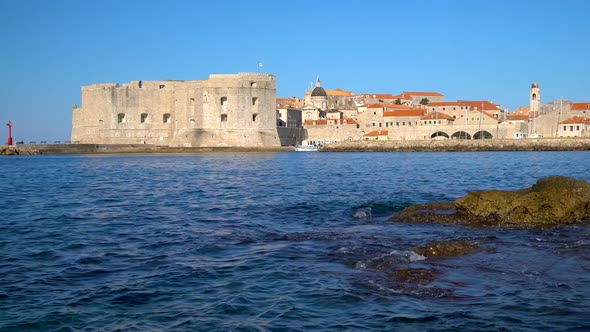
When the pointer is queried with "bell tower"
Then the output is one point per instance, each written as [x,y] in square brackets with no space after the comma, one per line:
[535,100]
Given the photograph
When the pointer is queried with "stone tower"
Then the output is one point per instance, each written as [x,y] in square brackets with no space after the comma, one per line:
[535,104]
[535,99]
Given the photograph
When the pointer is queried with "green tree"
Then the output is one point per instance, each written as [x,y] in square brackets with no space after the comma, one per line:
[398,101]
[424,101]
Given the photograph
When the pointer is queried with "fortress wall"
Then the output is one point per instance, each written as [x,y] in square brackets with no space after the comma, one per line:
[180,113]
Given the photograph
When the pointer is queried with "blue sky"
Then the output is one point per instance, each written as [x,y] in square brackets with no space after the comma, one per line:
[464,49]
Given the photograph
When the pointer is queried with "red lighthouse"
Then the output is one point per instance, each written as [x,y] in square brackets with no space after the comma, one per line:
[9,124]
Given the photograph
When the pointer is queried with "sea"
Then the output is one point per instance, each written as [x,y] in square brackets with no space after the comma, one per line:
[285,241]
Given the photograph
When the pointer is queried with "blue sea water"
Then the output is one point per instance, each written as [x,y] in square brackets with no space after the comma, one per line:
[273,242]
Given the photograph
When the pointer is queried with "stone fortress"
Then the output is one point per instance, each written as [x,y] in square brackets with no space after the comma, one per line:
[225,110]
[242,110]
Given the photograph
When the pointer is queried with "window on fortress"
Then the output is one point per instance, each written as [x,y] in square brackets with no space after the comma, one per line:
[162,86]
[166,118]
[254,101]
[143,117]
[100,122]
[253,84]
[254,116]
[121,118]
[223,101]
[223,117]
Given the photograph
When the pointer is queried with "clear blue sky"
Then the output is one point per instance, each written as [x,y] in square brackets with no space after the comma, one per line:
[472,49]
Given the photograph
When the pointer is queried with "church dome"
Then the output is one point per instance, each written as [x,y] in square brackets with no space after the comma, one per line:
[318,91]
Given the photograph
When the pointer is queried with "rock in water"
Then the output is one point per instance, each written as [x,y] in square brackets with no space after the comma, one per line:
[551,201]
[445,249]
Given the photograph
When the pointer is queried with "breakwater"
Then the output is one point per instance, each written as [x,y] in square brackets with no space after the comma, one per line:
[542,144]
[33,149]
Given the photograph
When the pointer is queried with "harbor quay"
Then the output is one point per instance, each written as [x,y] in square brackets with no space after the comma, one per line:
[541,144]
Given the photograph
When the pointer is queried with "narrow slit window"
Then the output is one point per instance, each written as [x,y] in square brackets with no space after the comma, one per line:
[166,118]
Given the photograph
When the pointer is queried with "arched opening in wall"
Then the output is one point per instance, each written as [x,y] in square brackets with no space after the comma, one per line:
[166,118]
[223,117]
[254,116]
[143,118]
[461,135]
[100,122]
[121,118]
[439,135]
[193,123]
[223,101]
[254,101]
[482,135]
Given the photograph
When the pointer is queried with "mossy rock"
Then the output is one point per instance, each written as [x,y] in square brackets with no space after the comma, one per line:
[551,201]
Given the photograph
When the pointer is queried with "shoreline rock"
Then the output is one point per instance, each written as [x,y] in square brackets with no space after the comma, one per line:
[552,201]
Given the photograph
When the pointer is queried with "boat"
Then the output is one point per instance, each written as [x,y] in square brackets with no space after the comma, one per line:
[519,135]
[307,148]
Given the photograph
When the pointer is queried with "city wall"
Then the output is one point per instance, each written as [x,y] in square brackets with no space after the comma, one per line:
[225,110]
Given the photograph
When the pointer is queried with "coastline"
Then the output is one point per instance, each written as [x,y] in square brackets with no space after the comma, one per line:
[53,149]
[541,144]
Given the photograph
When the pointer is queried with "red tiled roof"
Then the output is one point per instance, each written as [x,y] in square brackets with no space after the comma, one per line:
[376,95]
[408,112]
[339,92]
[447,103]
[388,105]
[422,93]
[480,103]
[580,106]
[517,117]
[577,120]
[403,96]
[376,133]
[521,110]
[437,116]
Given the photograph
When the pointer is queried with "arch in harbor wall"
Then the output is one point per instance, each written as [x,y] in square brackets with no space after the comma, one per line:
[439,135]
[483,134]
[461,135]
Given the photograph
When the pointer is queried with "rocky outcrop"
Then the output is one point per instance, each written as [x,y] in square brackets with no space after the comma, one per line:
[10,150]
[551,201]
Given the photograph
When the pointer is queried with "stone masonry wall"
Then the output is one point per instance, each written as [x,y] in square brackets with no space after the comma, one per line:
[225,110]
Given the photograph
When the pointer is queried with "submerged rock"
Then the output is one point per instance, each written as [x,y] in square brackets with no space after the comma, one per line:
[551,201]
[445,249]
[363,214]
[415,275]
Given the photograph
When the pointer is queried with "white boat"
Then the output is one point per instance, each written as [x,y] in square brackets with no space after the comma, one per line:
[307,148]
[519,135]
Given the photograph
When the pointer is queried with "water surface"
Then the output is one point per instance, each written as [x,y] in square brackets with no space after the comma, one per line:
[269,241]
